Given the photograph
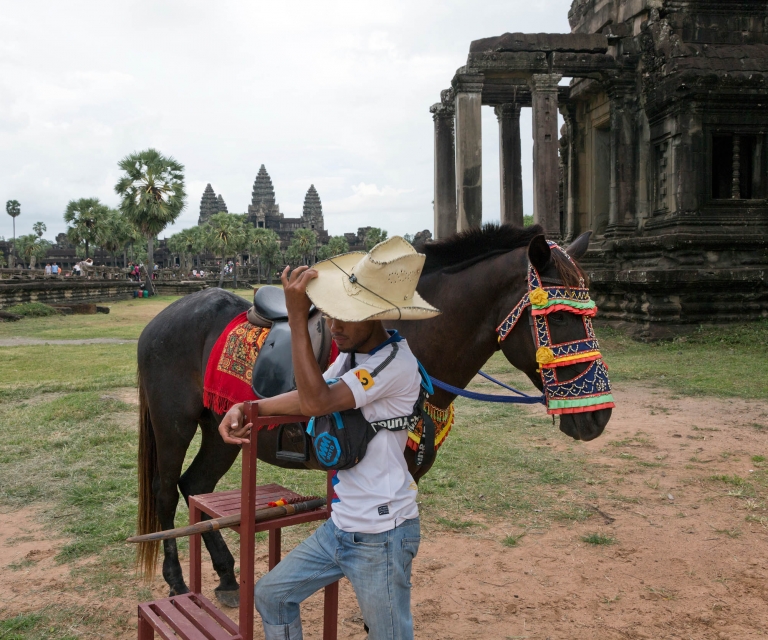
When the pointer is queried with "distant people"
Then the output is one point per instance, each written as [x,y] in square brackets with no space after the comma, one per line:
[47,268]
[136,272]
[194,273]
[54,269]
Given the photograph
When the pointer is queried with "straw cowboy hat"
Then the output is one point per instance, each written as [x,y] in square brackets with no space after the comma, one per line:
[379,285]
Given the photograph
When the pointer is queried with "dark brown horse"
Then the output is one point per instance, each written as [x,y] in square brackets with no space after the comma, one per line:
[474,278]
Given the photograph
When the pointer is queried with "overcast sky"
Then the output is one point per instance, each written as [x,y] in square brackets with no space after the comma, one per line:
[334,94]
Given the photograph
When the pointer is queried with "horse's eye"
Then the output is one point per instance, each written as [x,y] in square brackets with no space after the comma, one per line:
[557,318]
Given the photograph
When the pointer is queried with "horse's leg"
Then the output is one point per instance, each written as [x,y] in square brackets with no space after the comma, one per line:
[172,445]
[212,461]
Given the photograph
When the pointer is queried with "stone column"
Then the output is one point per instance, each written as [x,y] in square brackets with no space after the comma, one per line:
[571,177]
[445,166]
[545,148]
[621,207]
[510,166]
[469,157]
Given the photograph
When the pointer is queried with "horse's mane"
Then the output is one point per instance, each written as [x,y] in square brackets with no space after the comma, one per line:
[469,247]
[460,251]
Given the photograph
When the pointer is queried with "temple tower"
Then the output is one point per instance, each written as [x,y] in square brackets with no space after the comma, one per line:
[221,205]
[263,205]
[208,205]
[312,214]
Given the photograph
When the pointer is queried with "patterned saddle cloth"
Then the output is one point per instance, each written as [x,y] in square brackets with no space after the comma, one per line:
[229,375]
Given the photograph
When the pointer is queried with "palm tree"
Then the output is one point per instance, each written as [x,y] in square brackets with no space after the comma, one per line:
[153,196]
[265,243]
[303,245]
[114,233]
[335,247]
[39,228]
[226,236]
[32,248]
[84,216]
[13,209]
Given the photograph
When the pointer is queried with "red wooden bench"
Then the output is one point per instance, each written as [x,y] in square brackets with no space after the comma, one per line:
[192,616]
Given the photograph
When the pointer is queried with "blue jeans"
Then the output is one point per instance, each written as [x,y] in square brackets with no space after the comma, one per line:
[377,564]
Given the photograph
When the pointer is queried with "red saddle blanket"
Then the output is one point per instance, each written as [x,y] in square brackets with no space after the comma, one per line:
[229,370]
[230,366]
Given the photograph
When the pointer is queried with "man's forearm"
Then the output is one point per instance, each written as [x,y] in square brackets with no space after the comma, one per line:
[310,383]
[286,404]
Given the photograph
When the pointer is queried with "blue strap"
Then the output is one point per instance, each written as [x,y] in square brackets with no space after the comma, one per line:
[486,397]
[501,384]
[394,336]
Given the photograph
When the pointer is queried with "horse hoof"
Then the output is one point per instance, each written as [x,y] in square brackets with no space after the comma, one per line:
[228,598]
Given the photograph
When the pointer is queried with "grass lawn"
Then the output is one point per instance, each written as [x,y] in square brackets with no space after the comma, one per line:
[68,444]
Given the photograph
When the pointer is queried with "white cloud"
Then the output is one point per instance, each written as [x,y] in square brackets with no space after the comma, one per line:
[334,93]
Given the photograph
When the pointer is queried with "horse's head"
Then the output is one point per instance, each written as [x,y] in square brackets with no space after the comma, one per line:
[549,337]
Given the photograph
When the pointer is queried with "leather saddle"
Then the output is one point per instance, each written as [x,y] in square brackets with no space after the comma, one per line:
[273,370]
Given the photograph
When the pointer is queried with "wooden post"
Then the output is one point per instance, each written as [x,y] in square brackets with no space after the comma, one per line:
[248,524]
[195,557]
[331,593]
[330,611]
[275,540]
[146,632]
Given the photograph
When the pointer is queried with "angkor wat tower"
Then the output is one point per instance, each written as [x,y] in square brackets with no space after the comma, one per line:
[208,205]
[663,154]
[263,212]
[313,210]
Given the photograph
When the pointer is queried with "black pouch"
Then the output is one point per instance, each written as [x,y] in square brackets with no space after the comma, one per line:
[340,440]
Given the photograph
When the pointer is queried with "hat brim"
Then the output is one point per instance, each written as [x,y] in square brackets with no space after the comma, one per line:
[327,293]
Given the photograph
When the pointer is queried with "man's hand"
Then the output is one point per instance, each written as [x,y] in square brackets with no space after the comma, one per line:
[295,286]
[232,429]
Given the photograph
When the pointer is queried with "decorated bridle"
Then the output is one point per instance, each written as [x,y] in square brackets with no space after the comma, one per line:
[591,389]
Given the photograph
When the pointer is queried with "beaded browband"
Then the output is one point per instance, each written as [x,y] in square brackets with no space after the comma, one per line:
[591,389]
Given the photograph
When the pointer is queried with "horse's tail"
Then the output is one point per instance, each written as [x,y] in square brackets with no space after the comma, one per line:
[148,522]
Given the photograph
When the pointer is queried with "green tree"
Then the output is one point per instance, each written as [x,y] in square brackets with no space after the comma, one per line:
[196,241]
[13,209]
[335,247]
[186,244]
[265,244]
[227,236]
[373,236]
[32,248]
[39,228]
[303,247]
[83,218]
[153,196]
[114,233]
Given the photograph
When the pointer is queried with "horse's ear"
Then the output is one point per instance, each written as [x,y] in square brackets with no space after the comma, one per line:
[539,252]
[579,246]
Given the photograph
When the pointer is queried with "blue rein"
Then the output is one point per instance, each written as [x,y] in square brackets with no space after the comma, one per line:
[521,398]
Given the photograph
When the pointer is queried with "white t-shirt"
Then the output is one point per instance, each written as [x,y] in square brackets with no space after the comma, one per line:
[378,493]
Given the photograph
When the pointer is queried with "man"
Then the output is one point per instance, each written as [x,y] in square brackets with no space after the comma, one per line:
[373,534]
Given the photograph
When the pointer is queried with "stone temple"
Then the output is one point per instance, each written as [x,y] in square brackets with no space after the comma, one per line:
[264,212]
[209,205]
[663,153]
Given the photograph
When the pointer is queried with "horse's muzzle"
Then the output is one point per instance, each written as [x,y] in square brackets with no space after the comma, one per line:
[585,426]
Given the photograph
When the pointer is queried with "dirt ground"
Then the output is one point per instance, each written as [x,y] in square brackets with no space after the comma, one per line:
[686,561]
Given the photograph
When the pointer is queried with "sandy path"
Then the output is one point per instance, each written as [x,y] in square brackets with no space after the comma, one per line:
[686,562]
